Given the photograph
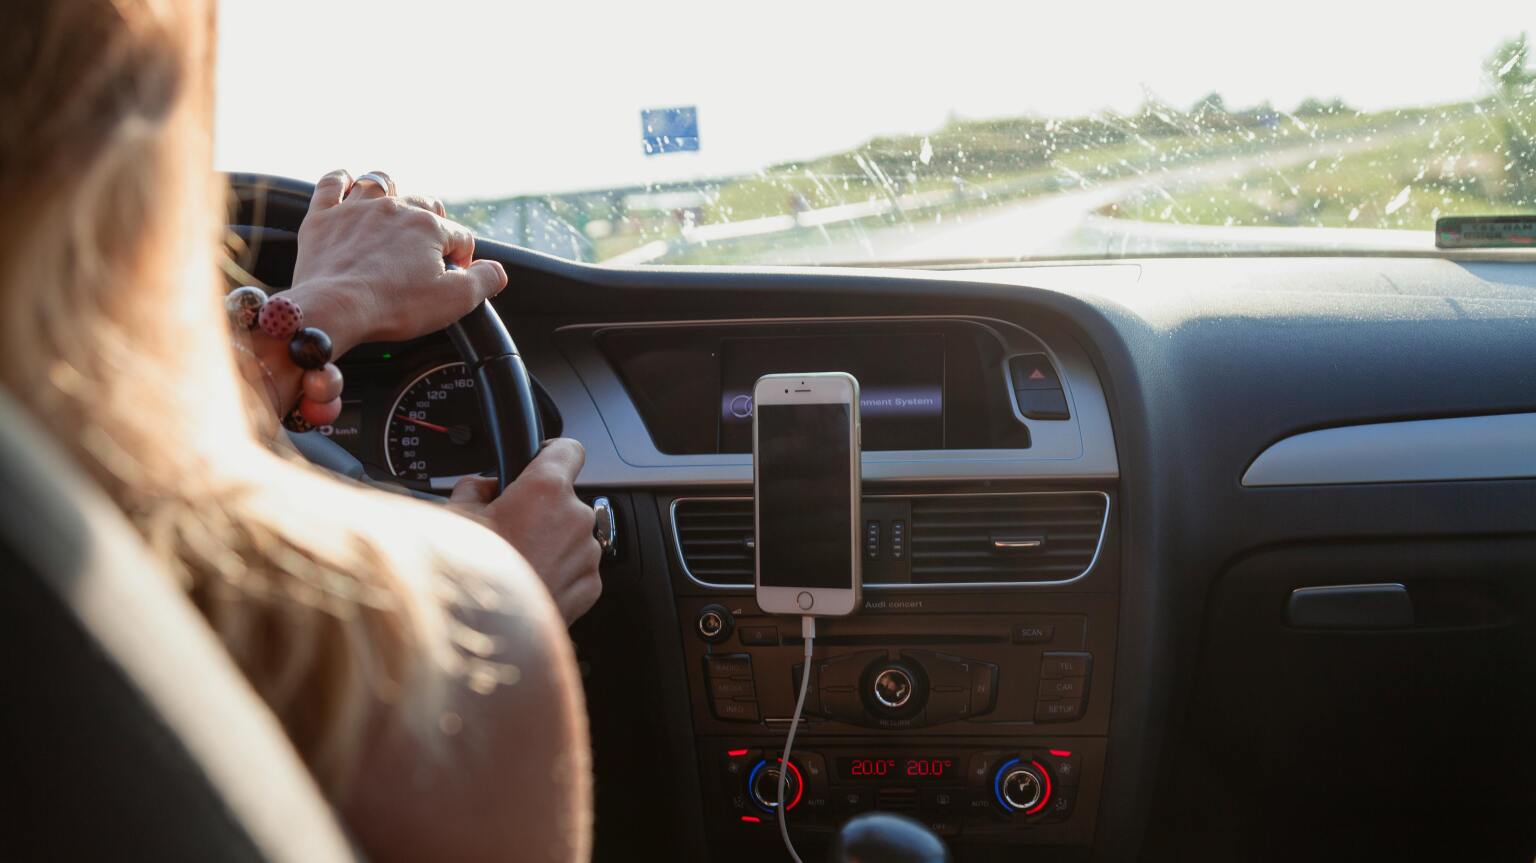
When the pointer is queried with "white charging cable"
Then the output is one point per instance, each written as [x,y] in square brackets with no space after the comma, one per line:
[808,634]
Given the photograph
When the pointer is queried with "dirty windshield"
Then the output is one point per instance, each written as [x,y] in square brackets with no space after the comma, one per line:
[867,133]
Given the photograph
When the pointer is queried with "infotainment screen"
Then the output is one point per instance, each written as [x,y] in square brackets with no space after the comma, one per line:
[901,383]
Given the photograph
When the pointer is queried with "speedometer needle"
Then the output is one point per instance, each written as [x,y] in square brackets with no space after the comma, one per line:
[423,423]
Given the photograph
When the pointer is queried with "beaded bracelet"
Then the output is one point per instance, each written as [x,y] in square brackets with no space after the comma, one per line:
[309,348]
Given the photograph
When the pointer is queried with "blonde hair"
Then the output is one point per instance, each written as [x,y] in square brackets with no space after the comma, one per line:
[112,333]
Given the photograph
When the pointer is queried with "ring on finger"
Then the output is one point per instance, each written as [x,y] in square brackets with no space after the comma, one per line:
[378,178]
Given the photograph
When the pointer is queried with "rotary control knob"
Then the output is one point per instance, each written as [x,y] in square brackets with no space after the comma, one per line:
[894,690]
[1022,787]
[893,687]
[714,624]
[763,784]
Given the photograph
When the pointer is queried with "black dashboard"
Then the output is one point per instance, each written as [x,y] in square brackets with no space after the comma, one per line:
[1183,667]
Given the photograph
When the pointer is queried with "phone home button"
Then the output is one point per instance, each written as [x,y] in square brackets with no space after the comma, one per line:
[805,600]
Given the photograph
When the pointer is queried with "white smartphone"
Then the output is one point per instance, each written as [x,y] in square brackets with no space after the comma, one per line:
[805,484]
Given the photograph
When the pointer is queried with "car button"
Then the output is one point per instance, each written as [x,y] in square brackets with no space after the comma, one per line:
[1063,687]
[1033,372]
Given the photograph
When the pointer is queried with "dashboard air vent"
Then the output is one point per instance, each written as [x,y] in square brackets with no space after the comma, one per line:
[714,536]
[1041,536]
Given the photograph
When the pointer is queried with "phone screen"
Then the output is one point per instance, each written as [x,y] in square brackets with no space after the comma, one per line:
[804,496]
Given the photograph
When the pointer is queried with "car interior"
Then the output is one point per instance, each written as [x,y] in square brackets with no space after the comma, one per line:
[1280,604]
[1166,555]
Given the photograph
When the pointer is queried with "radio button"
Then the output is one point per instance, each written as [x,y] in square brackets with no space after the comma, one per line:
[1064,687]
[728,665]
[1063,710]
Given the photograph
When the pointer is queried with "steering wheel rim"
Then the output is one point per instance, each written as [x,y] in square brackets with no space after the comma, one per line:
[503,386]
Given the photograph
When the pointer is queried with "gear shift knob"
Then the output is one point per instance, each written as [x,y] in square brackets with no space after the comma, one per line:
[883,837]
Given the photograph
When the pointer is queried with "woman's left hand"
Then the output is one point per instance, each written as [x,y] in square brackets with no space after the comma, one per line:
[371,265]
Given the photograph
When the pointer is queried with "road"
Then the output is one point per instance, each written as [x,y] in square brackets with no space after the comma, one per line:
[1064,224]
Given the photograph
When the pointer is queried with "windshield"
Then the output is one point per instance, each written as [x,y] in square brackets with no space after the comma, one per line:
[867,133]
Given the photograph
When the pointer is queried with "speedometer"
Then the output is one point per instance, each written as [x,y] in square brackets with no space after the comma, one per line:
[436,429]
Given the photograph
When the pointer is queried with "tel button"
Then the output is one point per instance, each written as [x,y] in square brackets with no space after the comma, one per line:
[1064,665]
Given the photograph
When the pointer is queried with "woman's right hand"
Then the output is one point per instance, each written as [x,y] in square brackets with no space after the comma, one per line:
[541,516]
[371,267]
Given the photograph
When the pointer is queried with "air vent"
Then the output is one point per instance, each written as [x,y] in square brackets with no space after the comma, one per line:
[969,539]
[714,536]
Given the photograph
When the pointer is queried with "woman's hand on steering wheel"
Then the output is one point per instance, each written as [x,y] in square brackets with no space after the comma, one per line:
[541,516]
[371,265]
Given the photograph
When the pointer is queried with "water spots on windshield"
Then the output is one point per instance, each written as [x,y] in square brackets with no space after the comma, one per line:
[1212,174]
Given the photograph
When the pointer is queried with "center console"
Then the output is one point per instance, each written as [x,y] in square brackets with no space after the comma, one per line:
[971,691]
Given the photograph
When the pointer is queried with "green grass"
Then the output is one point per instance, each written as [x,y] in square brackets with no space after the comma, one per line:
[1460,166]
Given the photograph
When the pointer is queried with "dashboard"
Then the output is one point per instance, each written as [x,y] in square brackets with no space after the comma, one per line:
[1152,553]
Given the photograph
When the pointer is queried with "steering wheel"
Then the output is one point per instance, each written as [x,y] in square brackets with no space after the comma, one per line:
[504,388]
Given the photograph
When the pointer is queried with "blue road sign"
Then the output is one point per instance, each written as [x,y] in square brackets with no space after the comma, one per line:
[669,130]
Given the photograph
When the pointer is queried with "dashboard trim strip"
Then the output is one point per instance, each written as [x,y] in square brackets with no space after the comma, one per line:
[677,542]
[1499,446]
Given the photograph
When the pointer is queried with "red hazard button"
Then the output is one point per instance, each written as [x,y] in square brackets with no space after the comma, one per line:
[1033,372]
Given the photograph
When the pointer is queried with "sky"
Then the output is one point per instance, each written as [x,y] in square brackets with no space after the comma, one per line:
[485,98]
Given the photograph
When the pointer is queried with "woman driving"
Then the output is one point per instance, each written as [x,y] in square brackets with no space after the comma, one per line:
[416,655]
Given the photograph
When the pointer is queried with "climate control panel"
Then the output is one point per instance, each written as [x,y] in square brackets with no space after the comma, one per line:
[954,789]
[984,715]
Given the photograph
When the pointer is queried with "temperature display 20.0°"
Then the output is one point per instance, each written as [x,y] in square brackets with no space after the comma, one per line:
[897,769]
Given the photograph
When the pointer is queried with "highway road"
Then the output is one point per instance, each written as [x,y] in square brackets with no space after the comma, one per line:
[1067,224]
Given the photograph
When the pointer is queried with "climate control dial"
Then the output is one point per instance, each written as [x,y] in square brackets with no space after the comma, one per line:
[1022,786]
[763,785]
